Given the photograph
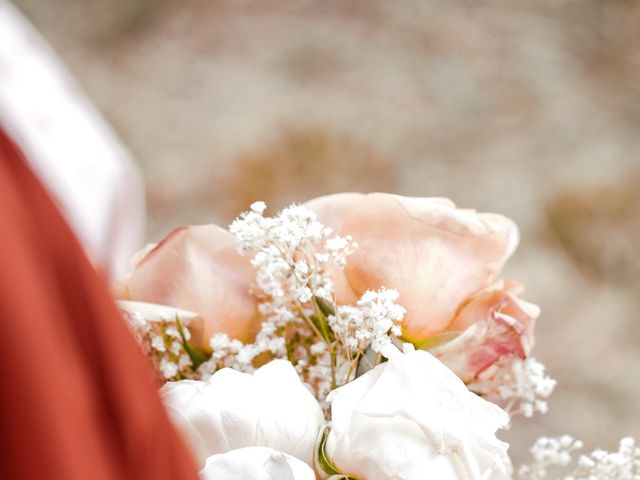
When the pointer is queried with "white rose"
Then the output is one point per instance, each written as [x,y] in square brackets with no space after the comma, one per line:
[412,418]
[255,463]
[271,408]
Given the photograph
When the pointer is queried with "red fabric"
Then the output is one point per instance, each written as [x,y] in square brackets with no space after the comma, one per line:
[78,401]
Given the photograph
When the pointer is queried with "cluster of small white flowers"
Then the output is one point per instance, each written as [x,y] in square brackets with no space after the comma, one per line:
[549,452]
[316,372]
[226,352]
[292,253]
[162,342]
[601,465]
[374,321]
[558,453]
[318,376]
[521,384]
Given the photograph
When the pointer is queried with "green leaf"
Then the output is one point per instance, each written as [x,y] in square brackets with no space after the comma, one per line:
[325,307]
[323,327]
[196,356]
[327,465]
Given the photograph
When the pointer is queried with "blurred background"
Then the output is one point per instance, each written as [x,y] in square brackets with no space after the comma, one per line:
[527,108]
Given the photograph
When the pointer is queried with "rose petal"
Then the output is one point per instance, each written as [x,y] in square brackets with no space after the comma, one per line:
[271,408]
[198,269]
[495,324]
[255,463]
[499,297]
[412,415]
[332,211]
[434,254]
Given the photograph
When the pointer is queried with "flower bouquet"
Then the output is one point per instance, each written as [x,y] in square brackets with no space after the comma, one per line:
[364,337]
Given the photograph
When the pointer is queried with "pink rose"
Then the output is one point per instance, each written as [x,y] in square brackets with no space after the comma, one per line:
[494,323]
[436,255]
[198,269]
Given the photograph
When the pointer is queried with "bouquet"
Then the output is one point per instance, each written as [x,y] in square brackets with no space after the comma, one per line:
[363,337]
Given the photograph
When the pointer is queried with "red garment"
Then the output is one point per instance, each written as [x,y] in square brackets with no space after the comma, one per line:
[78,401]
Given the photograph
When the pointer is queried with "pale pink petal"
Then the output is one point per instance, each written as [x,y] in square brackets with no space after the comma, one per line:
[434,254]
[501,296]
[142,254]
[120,288]
[478,307]
[198,269]
[530,309]
[500,222]
[342,288]
[512,286]
[496,324]
[331,211]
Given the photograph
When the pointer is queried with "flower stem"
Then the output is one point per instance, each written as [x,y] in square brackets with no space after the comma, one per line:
[310,322]
[332,356]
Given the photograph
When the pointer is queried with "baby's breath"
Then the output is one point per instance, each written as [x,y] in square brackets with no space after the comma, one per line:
[373,322]
[557,454]
[160,339]
[521,385]
[294,256]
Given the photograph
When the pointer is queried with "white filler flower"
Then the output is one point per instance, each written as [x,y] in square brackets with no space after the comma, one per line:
[270,408]
[255,463]
[412,418]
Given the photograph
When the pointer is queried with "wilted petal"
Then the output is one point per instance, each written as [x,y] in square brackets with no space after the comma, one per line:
[198,269]
[255,463]
[494,324]
[434,254]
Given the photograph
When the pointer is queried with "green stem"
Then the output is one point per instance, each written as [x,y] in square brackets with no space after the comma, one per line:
[332,356]
[311,324]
